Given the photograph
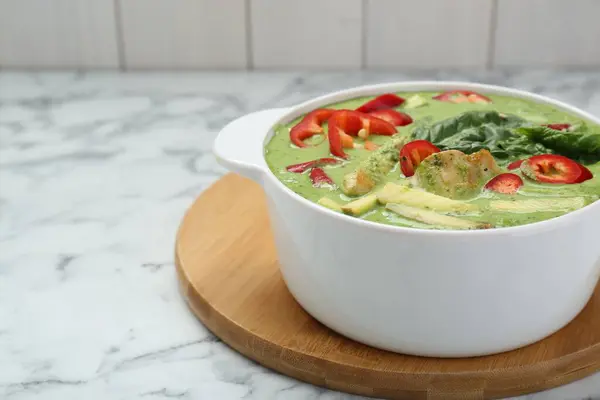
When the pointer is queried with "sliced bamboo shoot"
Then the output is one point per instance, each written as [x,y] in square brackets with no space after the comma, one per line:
[538,205]
[433,218]
[360,206]
[393,193]
[331,204]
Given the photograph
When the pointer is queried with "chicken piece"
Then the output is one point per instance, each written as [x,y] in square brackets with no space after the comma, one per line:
[374,167]
[486,162]
[454,174]
[357,183]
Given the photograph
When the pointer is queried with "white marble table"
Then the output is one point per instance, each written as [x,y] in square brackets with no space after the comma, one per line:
[96,171]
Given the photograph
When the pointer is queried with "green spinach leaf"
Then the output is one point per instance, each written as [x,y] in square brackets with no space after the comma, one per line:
[475,130]
[581,142]
[510,137]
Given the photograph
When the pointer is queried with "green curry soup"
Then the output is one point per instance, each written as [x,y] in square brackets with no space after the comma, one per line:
[456,163]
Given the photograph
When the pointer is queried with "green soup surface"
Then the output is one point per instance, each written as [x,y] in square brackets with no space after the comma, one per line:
[446,125]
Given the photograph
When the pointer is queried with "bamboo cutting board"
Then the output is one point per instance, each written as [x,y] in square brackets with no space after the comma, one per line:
[229,275]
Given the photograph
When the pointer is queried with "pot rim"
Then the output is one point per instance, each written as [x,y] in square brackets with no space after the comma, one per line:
[408,86]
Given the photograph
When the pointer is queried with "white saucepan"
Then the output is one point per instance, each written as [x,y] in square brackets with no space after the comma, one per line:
[422,292]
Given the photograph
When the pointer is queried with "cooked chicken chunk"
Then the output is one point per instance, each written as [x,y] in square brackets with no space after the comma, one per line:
[454,174]
[372,169]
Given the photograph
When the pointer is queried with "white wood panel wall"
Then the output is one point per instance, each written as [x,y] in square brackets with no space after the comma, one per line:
[58,33]
[184,33]
[307,34]
[548,33]
[428,33]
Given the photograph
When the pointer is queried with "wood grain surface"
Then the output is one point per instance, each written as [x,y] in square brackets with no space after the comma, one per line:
[229,275]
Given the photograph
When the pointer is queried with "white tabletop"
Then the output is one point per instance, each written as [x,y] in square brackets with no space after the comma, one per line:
[96,171]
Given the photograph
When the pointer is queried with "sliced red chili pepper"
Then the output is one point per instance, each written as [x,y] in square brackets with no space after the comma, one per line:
[309,126]
[319,178]
[305,166]
[558,127]
[393,117]
[413,153]
[388,100]
[507,183]
[462,96]
[353,121]
[586,174]
[552,168]
[377,126]
[335,140]
[350,122]
[515,165]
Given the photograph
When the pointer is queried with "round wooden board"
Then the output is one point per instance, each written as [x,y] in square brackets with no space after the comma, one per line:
[229,275]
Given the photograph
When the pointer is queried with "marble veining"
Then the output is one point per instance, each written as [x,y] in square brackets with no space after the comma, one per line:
[96,171]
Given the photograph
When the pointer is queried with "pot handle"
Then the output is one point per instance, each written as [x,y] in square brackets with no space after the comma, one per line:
[239,145]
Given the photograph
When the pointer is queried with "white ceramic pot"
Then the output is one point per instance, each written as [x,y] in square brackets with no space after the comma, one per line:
[414,291]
